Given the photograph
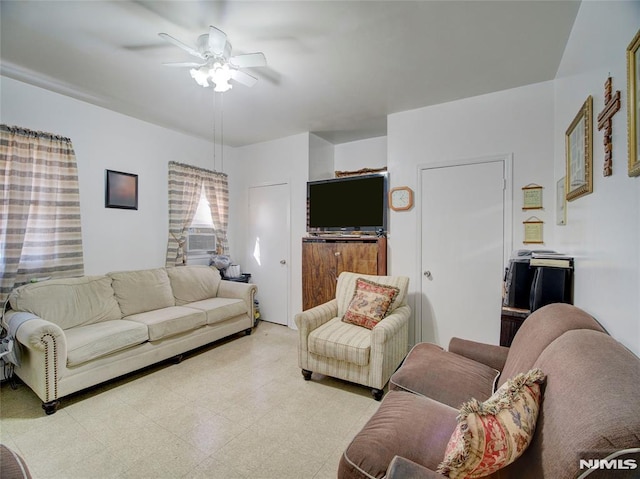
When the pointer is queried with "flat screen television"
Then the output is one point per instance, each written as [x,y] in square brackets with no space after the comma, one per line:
[348,204]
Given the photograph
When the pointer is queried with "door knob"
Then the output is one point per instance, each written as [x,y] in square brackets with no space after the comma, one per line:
[427,274]
[283,261]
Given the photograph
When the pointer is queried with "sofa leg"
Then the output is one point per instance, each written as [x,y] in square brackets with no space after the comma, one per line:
[248,331]
[50,407]
[306,374]
[377,394]
[177,359]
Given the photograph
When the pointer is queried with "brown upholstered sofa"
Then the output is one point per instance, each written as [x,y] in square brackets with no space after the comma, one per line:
[590,402]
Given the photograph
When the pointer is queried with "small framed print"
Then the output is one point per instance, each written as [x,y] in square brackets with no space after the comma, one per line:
[579,146]
[561,203]
[533,231]
[121,190]
[532,197]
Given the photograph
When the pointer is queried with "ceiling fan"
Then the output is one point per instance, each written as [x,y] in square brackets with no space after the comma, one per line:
[217,65]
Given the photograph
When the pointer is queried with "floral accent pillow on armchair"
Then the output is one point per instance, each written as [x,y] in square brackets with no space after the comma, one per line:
[493,434]
[370,303]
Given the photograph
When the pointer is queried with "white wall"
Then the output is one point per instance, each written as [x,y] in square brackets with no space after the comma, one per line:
[603,228]
[284,160]
[113,239]
[355,155]
[518,122]
[321,158]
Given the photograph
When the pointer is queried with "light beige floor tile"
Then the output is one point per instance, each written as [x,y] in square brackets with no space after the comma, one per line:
[238,409]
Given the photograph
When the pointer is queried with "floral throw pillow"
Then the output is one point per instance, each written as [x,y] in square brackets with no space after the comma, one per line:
[493,434]
[370,303]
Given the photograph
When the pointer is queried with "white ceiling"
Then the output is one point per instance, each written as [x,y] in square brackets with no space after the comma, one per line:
[336,68]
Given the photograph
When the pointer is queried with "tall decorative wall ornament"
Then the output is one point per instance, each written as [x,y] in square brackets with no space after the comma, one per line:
[611,107]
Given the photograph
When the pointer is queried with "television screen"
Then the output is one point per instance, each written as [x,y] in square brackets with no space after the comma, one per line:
[353,203]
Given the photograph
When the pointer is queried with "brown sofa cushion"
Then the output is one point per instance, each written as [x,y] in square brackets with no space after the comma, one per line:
[538,331]
[446,377]
[590,407]
[405,424]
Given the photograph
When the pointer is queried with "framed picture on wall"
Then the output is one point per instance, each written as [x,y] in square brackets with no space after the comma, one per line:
[579,146]
[633,104]
[121,190]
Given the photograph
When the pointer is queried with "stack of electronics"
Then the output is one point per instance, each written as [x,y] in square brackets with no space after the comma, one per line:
[536,278]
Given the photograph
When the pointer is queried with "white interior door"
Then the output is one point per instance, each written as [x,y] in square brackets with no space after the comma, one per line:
[463,245]
[269,249]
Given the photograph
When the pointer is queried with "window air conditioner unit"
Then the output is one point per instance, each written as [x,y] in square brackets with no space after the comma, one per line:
[201,240]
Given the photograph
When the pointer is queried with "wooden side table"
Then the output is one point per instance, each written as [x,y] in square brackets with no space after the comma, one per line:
[510,321]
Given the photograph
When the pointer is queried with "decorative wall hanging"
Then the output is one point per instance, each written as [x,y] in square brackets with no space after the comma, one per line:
[561,203]
[611,107]
[579,146]
[532,197]
[533,230]
[121,190]
[633,104]
[363,171]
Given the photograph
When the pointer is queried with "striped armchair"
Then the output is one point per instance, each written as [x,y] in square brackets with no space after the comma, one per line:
[346,351]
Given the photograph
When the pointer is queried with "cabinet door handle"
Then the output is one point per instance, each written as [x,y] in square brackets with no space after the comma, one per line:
[337,253]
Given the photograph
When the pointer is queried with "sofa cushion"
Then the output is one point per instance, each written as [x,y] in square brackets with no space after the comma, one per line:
[494,433]
[68,302]
[166,322]
[539,330]
[193,283]
[590,408]
[407,425]
[220,309]
[92,341]
[342,341]
[370,303]
[144,290]
[444,376]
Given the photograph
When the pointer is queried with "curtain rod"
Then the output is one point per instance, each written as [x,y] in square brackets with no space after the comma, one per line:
[197,168]
[32,133]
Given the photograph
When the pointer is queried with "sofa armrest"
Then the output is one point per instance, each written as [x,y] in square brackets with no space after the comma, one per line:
[43,356]
[313,318]
[402,468]
[237,290]
[489,354]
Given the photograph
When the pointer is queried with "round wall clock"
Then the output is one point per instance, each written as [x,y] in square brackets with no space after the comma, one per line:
[401,198]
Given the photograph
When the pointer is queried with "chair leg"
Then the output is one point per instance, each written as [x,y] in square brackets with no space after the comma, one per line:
[306,374]
[377,394]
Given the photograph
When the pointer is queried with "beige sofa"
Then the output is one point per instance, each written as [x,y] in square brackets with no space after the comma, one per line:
[79,332]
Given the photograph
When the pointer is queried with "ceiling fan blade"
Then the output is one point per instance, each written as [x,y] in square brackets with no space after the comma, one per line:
[185,64]
[249,60]
[244,78]
[217,40]
[179,44]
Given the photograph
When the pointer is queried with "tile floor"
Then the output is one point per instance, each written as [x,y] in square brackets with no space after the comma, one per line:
[238,409]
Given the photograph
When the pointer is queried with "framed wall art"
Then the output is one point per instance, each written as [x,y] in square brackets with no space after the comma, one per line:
[121,190]
[633,104]
[579,146]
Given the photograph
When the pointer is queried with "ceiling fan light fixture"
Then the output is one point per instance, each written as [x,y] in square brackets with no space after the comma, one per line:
[201,76]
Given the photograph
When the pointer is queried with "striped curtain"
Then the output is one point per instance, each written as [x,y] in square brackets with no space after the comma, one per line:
[216,189]
[185,186]
[40,230]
